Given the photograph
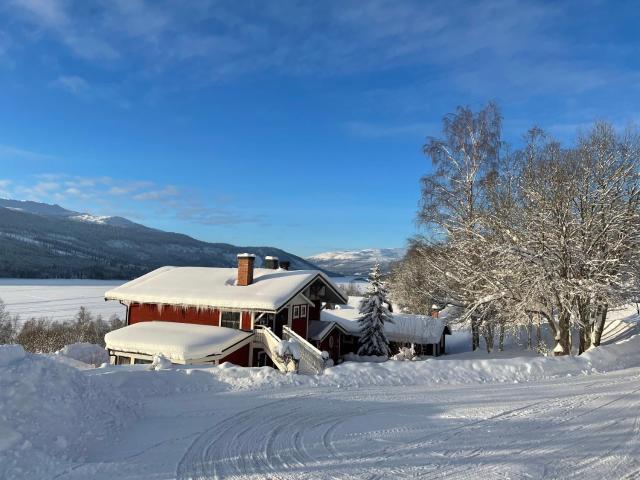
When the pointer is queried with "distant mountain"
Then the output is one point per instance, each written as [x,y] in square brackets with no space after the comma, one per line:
[44,209]
[357,262]
[38,240]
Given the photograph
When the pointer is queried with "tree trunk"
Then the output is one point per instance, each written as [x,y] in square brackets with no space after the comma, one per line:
[488,336]
[501,338]
[586,326]
[530,333]
[475,334]
[599,327]
[541,345]
[563,335]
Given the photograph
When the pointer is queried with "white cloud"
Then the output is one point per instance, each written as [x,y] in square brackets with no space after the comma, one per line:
[168,191]
[72,84]
[16,153]
[140,199]
[484,46]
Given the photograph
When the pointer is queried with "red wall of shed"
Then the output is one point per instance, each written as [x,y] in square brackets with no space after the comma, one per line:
[170,313]
[334,351]
[240,357]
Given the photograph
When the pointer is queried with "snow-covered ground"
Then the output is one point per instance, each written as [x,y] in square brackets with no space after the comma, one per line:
[459,416]
[58,300]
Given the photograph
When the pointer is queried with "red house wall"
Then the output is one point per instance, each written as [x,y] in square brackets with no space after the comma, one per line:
[299,325]
[169,313]
[245,322]
[334,351]
[240,357]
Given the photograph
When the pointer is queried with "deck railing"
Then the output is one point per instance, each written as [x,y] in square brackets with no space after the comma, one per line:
[270,342]
[312,362]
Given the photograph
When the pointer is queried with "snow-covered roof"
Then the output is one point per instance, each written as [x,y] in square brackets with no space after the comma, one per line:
[216,287]
[405,327]
[318,329]
[179,342]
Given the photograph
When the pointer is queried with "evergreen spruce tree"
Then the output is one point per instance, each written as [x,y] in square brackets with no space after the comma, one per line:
[374,314]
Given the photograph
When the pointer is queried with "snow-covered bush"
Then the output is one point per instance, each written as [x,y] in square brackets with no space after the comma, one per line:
[42,335]
[88,353]
[8,325]
[405,353]
[160,362]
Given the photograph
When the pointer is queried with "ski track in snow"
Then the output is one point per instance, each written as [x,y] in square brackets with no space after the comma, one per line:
[573,429]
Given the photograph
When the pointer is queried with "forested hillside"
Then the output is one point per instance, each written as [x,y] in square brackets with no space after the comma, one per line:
[76,246]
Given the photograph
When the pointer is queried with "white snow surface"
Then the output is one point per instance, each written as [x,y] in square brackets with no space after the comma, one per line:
[85,217]
[176,341]
[215,287]
[58,300]
[405,327]
[454,417]
[51,414]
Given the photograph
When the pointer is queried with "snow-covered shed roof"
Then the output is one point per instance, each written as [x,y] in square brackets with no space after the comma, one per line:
[180,342]
[216,287]
[405,327]
[318,329]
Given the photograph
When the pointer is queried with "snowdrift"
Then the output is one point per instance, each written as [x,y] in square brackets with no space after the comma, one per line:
[88,353]
[138,380]
[50,413]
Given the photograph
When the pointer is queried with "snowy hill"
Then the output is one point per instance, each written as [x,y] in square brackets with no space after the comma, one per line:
[357,262]
[39,240]
[454,417]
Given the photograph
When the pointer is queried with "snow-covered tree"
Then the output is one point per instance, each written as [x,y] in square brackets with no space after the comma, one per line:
[547,232]
[373,315]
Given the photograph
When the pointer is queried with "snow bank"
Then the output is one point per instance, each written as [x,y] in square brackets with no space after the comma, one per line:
[138,380]
[88,353]
[443,370]
[50,414]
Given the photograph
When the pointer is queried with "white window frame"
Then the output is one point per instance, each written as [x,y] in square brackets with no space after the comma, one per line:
[296,311]
[239,321]
[303,311]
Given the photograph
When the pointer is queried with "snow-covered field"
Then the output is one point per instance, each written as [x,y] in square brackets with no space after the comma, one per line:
[58,300]
[466,416]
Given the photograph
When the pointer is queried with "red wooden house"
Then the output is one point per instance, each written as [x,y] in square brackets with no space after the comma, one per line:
[243,315]
[216,315]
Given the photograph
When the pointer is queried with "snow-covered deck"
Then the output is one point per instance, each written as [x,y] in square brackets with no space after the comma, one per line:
[179,342]
[216,288]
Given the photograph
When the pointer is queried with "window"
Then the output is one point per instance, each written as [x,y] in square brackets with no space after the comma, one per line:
[230,320]
[121,360]
[303,311]
[296,311]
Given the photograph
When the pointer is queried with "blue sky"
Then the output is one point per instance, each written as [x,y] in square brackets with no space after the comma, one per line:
[293,124]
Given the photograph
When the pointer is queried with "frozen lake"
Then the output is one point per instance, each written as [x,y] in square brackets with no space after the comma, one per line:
[58,300]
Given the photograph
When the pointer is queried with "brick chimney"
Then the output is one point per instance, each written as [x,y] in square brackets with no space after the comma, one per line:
[245,269]
[271,262]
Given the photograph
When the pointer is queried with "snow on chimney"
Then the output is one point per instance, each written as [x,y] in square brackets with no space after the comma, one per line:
[271,262]
[245,269]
